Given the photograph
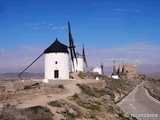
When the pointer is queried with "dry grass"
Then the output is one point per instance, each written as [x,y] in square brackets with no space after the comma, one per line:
[70,112]
[87,90]
[10,112]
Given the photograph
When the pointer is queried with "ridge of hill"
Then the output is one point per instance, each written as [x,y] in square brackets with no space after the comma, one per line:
[10,76]
[82,98]
[154,75]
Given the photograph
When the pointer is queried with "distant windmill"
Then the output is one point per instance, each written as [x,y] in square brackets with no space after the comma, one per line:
[79,61]
[99,69]
[114,74]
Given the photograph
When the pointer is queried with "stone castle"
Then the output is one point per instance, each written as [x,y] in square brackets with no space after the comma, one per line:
[126,69]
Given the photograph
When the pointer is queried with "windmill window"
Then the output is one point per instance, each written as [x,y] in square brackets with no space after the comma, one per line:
[55,62]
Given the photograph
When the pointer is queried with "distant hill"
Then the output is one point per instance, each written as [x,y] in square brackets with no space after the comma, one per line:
[155,75]
[25,76]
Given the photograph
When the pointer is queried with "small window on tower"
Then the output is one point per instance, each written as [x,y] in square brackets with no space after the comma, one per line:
[55,62]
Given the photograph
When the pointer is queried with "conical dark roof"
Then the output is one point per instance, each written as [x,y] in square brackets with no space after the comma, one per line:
[57,47]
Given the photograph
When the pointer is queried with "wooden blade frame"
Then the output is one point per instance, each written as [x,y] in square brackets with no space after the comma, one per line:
[84,57]
[71,46]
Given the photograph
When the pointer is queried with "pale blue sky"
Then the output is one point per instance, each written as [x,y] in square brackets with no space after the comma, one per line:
[99,24]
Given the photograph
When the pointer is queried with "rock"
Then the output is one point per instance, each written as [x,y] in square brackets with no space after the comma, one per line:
[61,86]
[97,78]
[107,97]
[75,96]
[59,117]
[71,111]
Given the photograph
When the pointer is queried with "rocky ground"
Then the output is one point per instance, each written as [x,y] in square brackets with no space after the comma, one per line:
[82,98]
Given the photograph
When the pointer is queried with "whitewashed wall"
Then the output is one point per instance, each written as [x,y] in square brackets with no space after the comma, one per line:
[97,69]
[78,65]
[62,65]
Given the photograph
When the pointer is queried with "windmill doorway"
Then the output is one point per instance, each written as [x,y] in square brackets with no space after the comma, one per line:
[56,73]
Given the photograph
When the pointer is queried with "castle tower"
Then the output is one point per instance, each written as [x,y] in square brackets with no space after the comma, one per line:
[56,61]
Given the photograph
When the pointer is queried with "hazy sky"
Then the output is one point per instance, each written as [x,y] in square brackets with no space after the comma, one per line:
[125,30]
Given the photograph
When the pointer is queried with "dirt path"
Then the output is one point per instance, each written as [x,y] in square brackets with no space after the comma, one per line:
[42,100]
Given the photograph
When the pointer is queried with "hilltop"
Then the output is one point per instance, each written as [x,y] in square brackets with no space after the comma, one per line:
[82,98]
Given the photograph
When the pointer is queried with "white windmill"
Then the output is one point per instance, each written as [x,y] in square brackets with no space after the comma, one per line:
[99,69]
[114,74]
[56,60]
[79,62]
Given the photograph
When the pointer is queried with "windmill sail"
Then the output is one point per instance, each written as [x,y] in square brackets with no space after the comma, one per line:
[102,69]
[71,45]
[84,57]
[29,66]
[114,61]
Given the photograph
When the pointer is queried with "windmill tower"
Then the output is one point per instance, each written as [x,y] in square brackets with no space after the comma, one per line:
[114,74]
[56,61]
[79,62]
[99,69]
